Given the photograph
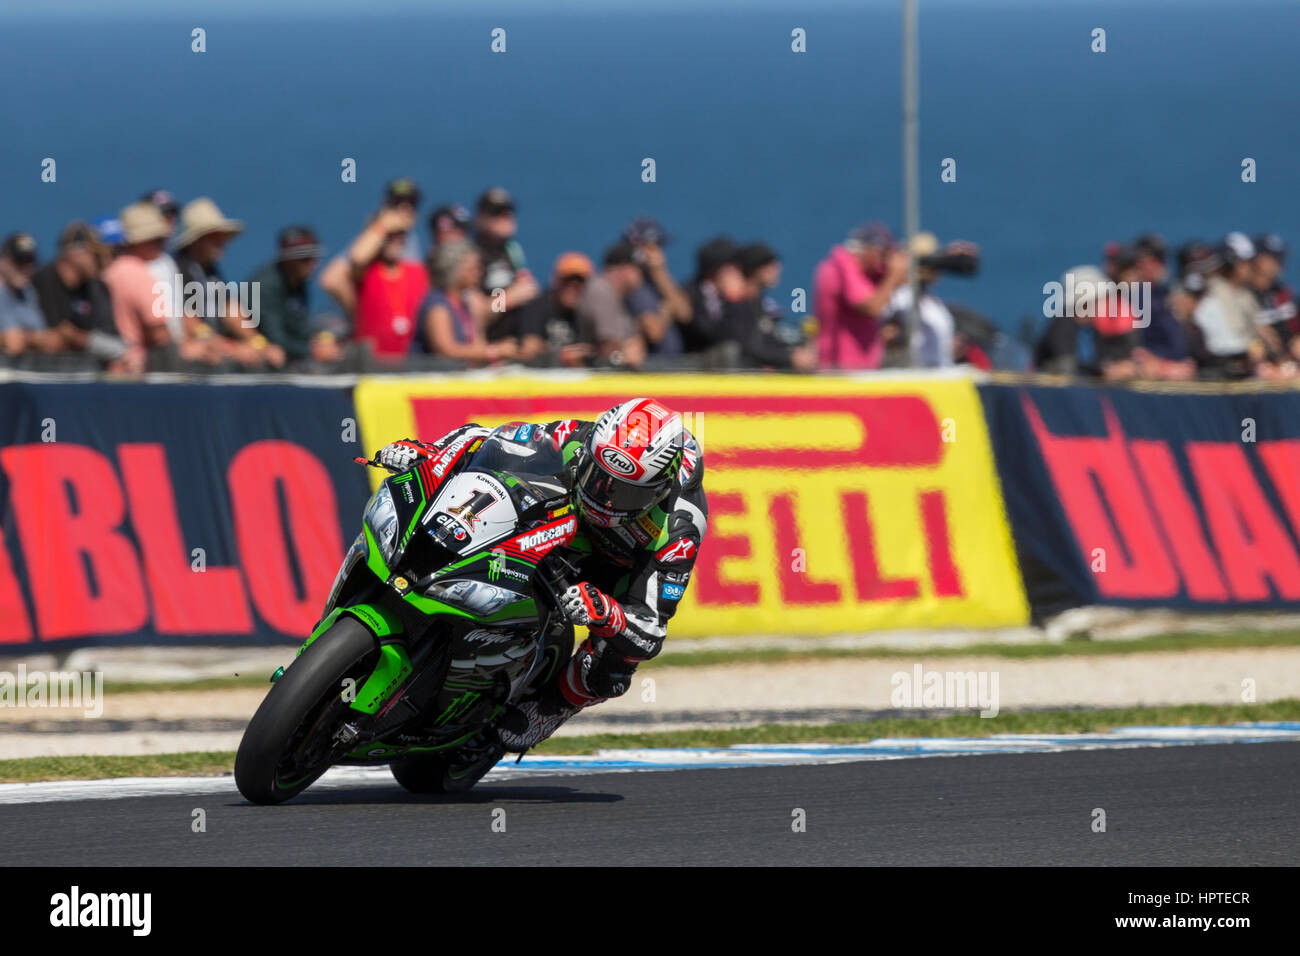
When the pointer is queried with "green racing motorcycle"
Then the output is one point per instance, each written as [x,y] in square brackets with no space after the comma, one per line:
[444,613]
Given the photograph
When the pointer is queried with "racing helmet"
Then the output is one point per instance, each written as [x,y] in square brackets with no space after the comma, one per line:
[628,462]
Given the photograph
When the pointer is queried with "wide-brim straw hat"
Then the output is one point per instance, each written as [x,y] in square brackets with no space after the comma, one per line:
[201,217]
[142,222]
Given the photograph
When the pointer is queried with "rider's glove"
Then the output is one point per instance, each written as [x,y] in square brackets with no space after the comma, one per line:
[586,604]
[399,456]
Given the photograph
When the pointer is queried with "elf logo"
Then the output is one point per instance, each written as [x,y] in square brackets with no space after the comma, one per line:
[617,462]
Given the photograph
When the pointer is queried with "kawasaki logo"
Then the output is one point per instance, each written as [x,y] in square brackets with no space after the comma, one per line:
[530,541]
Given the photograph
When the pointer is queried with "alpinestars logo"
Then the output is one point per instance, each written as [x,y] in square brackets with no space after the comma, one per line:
[531,542]
[681,550]
[563,431]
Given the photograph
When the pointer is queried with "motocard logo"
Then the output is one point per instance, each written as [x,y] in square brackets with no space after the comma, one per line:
[618,462]
[682,550]
[534,541]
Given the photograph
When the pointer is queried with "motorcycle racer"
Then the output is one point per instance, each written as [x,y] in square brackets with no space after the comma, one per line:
[637,475]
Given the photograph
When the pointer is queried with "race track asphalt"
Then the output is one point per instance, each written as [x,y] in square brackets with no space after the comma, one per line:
[1226,805]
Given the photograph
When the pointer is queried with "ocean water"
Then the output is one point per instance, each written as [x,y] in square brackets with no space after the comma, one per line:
[1058,149]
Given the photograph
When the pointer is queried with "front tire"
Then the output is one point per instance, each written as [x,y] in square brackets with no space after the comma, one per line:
[287,744]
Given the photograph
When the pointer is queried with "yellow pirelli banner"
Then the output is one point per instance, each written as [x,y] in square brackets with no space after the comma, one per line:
[835,505]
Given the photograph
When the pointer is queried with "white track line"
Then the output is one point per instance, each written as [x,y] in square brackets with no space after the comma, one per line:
[693,758]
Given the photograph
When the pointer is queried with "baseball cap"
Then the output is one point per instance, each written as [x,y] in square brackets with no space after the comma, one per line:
[83,234]
[1237,247]
[714,254]
[299,242]
[457,213]
[646,231]
[401,190]
[496,200]
[753,256]
[19,247]
[1271,243]
[1120,255]
[621,253]
[110,230]
[571,264]
[1151,244]
[165,201]
[870,234]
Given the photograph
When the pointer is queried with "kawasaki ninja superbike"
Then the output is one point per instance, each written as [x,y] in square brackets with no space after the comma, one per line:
[443,613]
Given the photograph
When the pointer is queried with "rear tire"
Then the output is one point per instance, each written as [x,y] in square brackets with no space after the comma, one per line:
[439,774]
[298,710]
[420,774]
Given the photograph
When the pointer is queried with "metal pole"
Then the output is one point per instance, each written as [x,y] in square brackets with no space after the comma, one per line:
[911,173]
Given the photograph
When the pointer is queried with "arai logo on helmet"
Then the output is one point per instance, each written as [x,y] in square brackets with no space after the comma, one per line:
[617,462]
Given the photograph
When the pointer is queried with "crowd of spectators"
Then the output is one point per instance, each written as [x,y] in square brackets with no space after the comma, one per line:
[1218,311]
[144,290]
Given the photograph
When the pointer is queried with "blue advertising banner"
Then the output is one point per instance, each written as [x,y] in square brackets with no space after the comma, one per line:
[172,513]
[1120,496]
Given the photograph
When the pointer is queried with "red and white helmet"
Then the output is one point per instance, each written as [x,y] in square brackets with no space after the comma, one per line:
[629,462]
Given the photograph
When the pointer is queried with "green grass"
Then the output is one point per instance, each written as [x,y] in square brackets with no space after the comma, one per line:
[1072,647]
[1024,722]
[28,769]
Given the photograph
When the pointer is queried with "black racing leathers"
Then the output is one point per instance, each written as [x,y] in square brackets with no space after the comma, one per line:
[645,565]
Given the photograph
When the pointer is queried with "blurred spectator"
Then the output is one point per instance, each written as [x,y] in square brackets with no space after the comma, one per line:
[1113,318]
[447,223]
[851,292]
[514,295]
[205,231]
[387,289]
[560,317]
[163,268]
[1228,314]
[765,340]
[341,276]
[77,305]
[454,313]
[140,314]
[934,343]
[603,320]
[1277,302]
[22,327]
[658,304]
[715,295]
[1164,351]
[1068,345]
[284,317]
[403,194]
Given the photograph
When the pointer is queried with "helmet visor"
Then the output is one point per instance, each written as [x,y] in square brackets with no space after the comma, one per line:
[608,493]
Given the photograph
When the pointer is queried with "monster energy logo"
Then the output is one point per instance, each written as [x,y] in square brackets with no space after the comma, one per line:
[496,563]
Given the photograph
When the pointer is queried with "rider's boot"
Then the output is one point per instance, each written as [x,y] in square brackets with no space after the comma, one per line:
[535,718]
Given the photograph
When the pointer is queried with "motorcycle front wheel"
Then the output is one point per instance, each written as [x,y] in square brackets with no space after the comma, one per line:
[289,742]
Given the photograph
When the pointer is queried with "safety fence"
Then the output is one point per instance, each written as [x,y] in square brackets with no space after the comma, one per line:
[218,513]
